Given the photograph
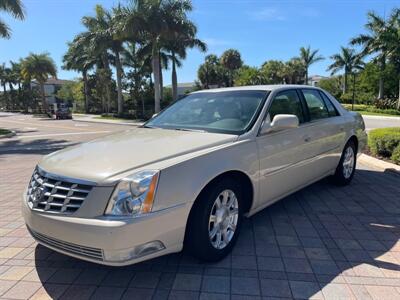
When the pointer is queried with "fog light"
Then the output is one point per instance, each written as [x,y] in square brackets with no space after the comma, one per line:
[138,251]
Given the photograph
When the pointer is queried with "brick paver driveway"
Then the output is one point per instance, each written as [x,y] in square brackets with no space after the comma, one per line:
[322,242]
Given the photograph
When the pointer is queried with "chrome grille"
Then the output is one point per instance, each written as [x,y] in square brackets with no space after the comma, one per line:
[52,195]
[89,252]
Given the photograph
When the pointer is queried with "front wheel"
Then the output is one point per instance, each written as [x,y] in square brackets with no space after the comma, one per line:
[347,165]
[215,221]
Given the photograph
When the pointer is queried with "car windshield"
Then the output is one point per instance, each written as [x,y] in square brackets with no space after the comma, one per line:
[232,112]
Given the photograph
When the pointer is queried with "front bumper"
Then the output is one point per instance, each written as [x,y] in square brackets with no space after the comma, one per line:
[108,241]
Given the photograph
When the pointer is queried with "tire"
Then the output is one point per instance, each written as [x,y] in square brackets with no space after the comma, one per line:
[347,165]
[200,226]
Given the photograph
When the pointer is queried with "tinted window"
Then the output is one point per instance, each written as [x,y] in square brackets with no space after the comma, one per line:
[316,106]
[286,102]
[331,109]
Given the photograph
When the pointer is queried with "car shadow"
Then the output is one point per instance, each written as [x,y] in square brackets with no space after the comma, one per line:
[319,236]
[37,146]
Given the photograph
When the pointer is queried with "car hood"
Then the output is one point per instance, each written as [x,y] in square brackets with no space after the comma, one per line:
[102,158]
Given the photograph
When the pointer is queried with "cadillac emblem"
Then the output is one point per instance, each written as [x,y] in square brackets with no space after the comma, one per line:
[37,194]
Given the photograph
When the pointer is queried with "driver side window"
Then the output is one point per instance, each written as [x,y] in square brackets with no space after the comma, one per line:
[286,102]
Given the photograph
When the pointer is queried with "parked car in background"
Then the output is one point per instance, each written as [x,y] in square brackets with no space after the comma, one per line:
[189,175]
[60,111]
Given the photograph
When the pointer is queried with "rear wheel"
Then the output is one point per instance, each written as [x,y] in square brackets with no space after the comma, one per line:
[215,221]
[347,165]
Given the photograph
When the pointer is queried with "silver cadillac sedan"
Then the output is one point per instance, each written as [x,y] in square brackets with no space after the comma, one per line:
[188,176]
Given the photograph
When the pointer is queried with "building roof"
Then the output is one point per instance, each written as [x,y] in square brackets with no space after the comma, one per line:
[184,85]
[54,81]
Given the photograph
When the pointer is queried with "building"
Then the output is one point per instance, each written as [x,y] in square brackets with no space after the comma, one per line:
[314,79]
[51,88]
[184,88]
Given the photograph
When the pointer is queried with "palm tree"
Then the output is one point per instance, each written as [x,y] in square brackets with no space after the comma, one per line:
[232,61]
[140,71]
[347,60]
[39,67]
[16,9]
[80,58]
[3,82]
[307,58]
[184,37]
[152,21]
[394,52]
[377,41]
[99,38]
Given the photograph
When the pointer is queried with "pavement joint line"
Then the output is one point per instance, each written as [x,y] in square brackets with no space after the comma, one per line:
[61,134]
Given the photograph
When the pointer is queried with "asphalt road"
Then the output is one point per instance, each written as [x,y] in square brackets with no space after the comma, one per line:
[372,122]
[41,135]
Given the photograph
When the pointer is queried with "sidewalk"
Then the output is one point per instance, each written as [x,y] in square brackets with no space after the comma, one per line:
[96,119]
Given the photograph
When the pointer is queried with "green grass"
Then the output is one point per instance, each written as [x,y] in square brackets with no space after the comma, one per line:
[4,131]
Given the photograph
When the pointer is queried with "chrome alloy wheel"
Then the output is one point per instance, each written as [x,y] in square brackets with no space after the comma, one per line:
[348,162]
[223,219]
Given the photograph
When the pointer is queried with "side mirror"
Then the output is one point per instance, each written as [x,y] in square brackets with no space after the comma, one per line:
[280,122]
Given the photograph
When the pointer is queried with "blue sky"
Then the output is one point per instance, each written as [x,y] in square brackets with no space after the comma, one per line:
[260,30]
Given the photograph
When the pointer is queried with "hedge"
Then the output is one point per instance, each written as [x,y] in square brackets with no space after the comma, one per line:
[396,155]
[383,141]
[372,109]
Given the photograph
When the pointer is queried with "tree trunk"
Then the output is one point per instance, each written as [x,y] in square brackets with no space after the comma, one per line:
[174,79]
[354,92]
[161,83]
[156,73]
[306,77]
[119,82]
[86,91]
[398,98]
[5,96]
[44,103]
[108,88]
[381,84]
[12,100]
[345,83]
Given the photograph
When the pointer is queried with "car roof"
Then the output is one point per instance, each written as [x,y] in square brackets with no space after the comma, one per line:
[269,87]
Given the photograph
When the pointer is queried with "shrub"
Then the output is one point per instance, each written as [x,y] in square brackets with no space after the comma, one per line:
[386,103]
[396,155]
[383,141]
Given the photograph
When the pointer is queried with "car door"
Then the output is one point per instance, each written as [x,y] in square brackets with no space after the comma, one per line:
[325,131]
[284,155]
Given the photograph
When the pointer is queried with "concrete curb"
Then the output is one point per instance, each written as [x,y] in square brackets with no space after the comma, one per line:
[379,164]
[8,135]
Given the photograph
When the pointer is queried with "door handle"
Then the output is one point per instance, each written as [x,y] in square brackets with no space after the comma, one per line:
[341,128]
[307,139]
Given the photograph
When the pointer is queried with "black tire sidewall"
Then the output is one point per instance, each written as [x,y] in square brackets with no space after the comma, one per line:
[339,176]
[198,235]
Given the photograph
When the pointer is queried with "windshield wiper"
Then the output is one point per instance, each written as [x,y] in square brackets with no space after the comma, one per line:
[187,129]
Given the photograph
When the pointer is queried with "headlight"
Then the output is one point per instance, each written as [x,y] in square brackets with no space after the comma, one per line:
[134,194]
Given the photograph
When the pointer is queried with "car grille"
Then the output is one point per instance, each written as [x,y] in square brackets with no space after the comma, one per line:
[83,251]
[58,196]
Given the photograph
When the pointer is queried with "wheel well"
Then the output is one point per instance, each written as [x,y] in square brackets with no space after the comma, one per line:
[354,139]
[246,185]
